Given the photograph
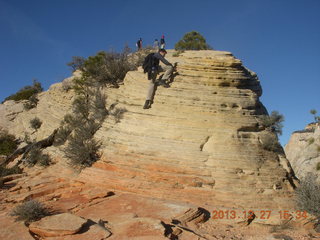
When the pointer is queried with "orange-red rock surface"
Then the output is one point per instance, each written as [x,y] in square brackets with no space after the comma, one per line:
[199,147]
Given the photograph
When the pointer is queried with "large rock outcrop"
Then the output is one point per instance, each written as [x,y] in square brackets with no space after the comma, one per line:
[303,150]
[201,142]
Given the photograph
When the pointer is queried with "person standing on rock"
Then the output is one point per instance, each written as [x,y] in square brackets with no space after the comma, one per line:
[153,71]
[139,44]
[162,42]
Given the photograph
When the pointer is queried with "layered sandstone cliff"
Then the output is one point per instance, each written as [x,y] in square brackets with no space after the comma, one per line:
[201,142]
[303,150]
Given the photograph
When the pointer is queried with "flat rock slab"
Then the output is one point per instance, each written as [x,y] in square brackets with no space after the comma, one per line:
[95,232]
[57,225]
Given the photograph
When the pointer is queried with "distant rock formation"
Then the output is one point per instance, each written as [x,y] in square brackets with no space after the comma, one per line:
[201,142]
[303,150]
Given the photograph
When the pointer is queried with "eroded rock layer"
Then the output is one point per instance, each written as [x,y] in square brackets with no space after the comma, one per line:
[200,141]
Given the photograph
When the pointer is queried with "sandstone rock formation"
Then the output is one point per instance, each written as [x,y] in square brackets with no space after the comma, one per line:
[303,150]
[200,142]
[200,145]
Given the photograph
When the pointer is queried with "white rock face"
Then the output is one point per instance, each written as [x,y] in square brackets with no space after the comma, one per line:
[200,142]
[303,151]
[52,106]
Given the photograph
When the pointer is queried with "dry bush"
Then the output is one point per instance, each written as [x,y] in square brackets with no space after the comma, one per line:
[273,122]
[308,195]
[35,123]
[8,143]
[30,211]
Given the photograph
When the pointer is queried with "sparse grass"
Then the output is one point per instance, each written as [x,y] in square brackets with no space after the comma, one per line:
[30,211]
[35,123]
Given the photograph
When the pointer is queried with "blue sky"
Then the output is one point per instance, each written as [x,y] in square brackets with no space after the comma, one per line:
[277,39]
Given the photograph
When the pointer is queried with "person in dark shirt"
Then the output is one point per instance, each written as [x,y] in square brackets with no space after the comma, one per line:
[156,68]
[139,44]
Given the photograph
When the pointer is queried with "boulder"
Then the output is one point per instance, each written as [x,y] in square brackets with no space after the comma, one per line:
[57,225]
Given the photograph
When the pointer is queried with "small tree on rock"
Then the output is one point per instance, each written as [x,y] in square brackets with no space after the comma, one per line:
[192,41]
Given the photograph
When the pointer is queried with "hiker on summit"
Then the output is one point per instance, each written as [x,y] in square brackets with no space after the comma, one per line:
[162,42]
[139,44]
[152,67]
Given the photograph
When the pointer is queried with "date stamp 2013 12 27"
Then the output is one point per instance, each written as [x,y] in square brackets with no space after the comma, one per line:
[261,214]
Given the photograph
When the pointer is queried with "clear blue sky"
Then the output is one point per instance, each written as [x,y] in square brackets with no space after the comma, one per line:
[277,39]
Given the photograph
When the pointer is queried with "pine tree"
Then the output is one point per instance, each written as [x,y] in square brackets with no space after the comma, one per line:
[192,41]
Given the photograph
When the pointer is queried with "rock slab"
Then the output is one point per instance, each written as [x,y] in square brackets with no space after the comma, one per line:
[58,225]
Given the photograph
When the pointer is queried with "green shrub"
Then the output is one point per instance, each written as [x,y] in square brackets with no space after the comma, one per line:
[35,123]
[308,195]
[192,41]
[35,156]
[105,68]
[8,143]
[314,113]
[76,63]
[89,111]
[30,211]
[26,92]
[82,149]
[273,122]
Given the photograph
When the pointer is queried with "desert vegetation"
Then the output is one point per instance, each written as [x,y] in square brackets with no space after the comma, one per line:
[192,41]
[35,123]
[37,157]
[8,143]
[273,124]
[77,130]
[30,211]
[105,68]
[308,195]
[315,116]
[27,93]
